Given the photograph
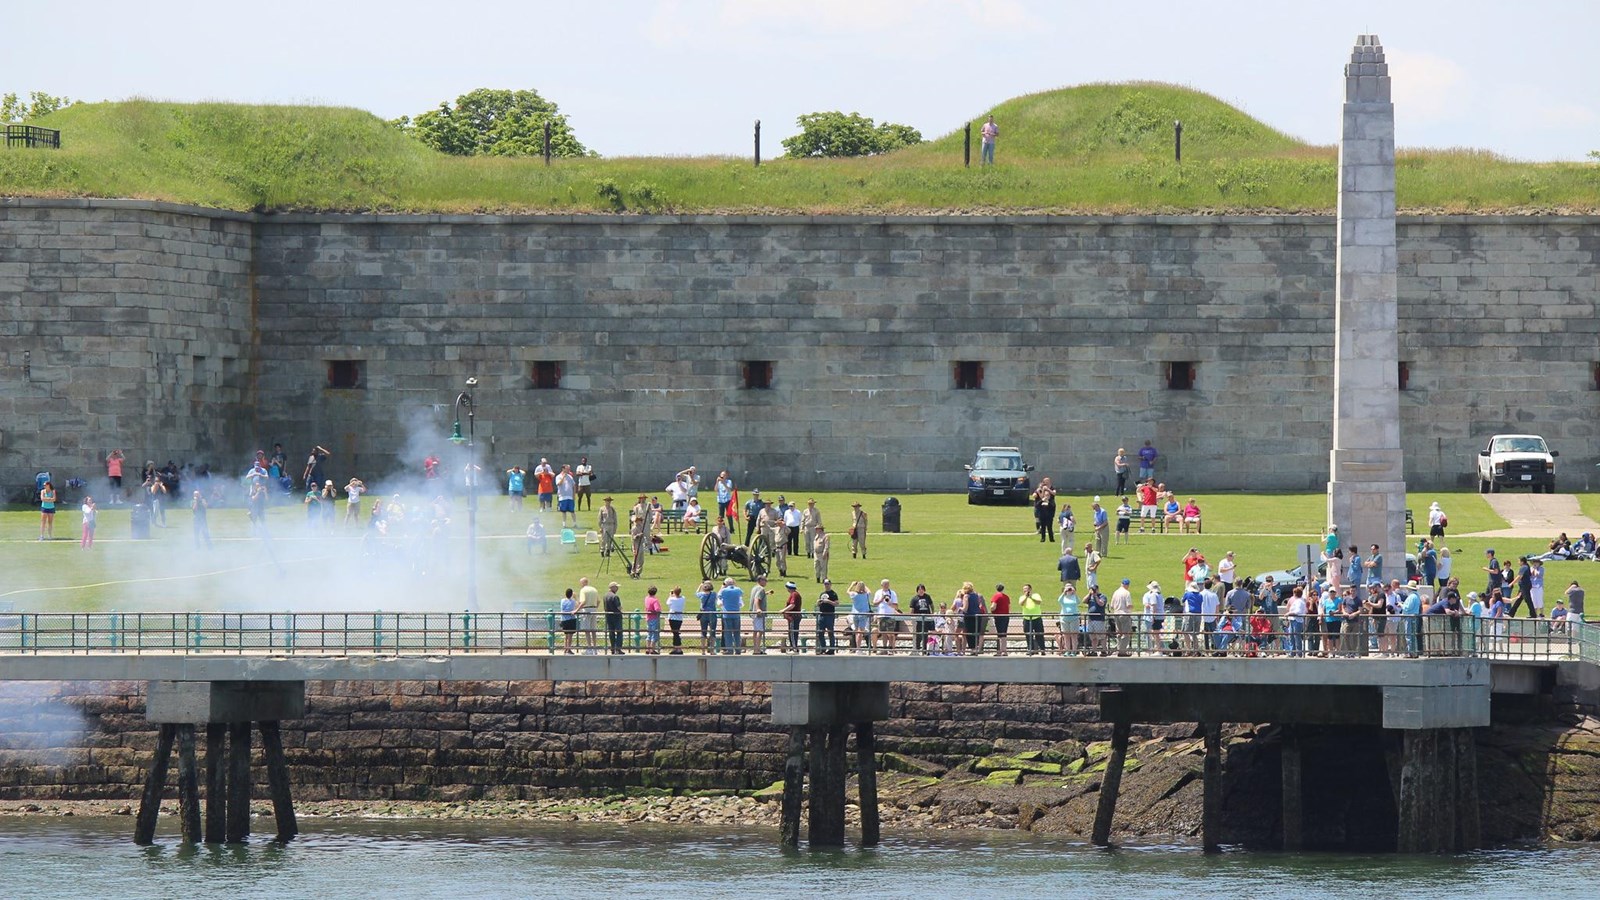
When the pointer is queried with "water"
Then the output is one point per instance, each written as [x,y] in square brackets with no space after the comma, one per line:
[95,858]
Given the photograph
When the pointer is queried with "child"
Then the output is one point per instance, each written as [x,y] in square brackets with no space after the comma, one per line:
[1558,618]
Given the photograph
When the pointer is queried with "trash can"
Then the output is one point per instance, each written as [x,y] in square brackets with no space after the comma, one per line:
[139,522]
[891,516]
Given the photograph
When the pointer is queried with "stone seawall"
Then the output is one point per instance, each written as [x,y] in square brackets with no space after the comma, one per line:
[194,335]
[995,756]
[428,740]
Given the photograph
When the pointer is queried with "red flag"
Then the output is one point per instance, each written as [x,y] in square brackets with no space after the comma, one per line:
[732,511]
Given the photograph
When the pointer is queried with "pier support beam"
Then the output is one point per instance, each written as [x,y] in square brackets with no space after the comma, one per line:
[188,786]
[794,770]
[1439,791]
[238,821]
[826,713]
[144,827]
[216,783]
[227,709]
[278,781]
[1211,807]
[867,783]
[1293,792]
[1111,783]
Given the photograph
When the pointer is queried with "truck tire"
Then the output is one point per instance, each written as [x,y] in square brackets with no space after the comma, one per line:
[1494,486]
[1483,486]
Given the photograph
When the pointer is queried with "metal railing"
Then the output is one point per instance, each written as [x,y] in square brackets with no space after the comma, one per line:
[32,136]
[437,633]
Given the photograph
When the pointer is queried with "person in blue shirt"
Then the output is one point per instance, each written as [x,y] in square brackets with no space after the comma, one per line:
[1193,606]
[708,616]
[1067,624]
[1410,611]
[515,479]
[731,598]
[1355,572]
[1331,620]
[1430,563]
[1374,566]
[860,616]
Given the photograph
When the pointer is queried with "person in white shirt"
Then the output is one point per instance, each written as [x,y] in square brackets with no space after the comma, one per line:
[352,510]
[678,490]
[1225,572]
[692,514]
[791,519]
[886,604]
[1154,616]
[1209,601]
[1121,612]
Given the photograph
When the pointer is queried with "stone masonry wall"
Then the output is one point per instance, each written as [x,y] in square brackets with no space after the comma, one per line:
[1075,320]
[428,740]
[122,324]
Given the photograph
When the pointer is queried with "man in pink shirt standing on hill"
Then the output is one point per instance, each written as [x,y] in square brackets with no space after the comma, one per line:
[989,132]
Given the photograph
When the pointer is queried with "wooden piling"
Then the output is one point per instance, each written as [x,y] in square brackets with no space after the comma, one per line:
[188,786]
[867,783]
[238,820]
[1469,824]
[278,781]
[1293,793]
[144,827]
[1111,783]
[794,768]
[827,786]
[216,783]
[1211,810]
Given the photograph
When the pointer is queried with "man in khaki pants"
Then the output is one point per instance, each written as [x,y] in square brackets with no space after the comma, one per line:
[858,530]
[820,545]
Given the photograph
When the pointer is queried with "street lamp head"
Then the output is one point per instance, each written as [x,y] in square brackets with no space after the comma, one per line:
[473,381]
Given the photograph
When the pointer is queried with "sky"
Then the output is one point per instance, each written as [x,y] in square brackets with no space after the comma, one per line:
[689,77]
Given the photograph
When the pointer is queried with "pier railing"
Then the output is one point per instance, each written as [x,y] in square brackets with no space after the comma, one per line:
[441,633]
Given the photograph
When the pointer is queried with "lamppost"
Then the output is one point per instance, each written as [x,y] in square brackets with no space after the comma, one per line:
[471,474]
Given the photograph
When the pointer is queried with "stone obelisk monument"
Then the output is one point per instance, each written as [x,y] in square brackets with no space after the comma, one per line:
[1366,487]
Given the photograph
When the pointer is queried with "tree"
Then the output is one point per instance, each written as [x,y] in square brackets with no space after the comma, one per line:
[38,105]
[489,122]
[838,134]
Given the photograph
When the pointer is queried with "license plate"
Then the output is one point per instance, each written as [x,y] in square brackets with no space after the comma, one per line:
[1527,478]
[999,492]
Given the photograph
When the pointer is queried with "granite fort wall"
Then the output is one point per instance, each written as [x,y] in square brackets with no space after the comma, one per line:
[123,325]
[1075,321]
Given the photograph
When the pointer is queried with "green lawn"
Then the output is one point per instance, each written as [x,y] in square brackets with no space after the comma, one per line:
[1099,148]
[946,542]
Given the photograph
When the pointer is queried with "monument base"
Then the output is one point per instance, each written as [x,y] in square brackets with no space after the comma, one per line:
[1371,512]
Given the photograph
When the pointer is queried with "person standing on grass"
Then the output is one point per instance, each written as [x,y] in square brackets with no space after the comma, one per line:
[47,511]
[585,476]
[1575,602]
[516,486]
[1119,468]
[114,475]
[353,489]
[821,549]
[858,530]
[1102,528]
[545,477]
[1124,520]
[810,524]
[1147,462]
[1069,527]
[197,522]
[90,513]
[1044,511]
[987,136]
[567,497]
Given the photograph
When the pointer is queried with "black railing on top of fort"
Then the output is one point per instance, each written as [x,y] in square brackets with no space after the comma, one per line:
[32,136]
[549,632]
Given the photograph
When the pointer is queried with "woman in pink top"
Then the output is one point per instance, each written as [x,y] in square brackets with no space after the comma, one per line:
[652,622]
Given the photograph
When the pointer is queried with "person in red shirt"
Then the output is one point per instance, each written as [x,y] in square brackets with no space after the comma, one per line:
[1000,608]
[1147,503]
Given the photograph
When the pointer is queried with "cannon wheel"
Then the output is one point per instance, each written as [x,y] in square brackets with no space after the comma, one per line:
[760,555]
[712,564]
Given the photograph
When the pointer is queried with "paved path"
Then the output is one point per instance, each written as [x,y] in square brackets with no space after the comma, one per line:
[1538,516]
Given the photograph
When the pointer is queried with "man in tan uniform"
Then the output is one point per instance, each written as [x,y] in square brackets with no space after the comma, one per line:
[810,524]
[858,530]
[821,543]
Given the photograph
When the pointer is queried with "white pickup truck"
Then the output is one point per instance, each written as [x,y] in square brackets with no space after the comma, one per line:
[1517,460]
